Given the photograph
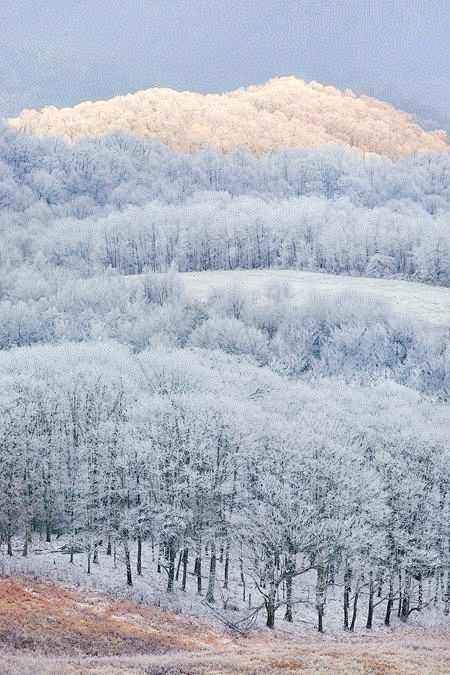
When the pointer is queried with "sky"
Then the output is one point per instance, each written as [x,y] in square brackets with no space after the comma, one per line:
[61,52]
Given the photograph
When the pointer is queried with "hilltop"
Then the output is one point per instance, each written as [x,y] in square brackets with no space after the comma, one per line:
[282,112]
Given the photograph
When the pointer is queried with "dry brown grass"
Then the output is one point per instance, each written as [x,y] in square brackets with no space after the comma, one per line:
[45,628]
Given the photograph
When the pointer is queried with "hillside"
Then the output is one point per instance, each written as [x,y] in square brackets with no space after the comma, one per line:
[282,112]
[46,628]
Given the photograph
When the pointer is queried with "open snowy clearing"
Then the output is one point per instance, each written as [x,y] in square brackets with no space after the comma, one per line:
[423,302]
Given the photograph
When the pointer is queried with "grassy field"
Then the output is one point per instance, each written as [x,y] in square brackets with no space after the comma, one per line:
[420,301]
[45,628]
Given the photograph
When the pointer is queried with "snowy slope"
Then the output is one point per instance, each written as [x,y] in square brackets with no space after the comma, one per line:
[423,302]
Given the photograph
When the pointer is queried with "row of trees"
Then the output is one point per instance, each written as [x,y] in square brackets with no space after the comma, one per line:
[129,204]
[237,479]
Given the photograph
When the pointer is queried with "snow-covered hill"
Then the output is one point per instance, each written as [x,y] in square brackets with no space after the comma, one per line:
[428,303]
[282,112]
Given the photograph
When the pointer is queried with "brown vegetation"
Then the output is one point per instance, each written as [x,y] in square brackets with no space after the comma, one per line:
[48,629]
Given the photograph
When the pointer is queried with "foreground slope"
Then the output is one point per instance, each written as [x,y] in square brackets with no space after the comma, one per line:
[282,112]
[46,628]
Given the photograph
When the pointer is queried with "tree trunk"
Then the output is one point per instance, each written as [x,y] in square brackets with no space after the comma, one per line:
[355,610]
[269,602]
[9,543]
[406,597]
[370,607]
[172,554]
[347,591]
[320,596]
[212,574]
[290,571]
[185,567]
[198,567]
[180,558]
[242,579]
[126,550]
[390,603]
[226,571]
[139,556]
[48,530]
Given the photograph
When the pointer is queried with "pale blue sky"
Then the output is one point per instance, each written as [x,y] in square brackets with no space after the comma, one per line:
[63,51]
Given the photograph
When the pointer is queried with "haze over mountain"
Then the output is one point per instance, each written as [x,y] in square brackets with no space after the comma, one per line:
[282,112]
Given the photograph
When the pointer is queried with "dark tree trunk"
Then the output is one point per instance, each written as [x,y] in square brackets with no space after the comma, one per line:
[226,571]
[390,603]
[139,556]
[355,610]
[126,550]
[198,568]
[320,596]
[370,607]
[347,591]
[172,554]
[180,558]
[290,571]
[212,575]
[185,567]
[406,597]
[270,610]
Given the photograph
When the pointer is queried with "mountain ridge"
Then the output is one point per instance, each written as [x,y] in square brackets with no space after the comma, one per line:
[284,111]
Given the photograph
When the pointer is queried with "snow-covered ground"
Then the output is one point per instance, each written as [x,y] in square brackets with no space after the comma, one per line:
[430,303]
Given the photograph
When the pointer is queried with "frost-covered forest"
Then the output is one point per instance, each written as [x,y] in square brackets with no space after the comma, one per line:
[253,446]
[242,446]
[119,202]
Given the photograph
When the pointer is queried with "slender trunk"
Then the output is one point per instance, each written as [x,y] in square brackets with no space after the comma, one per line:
[320,596]
[9,543]
[212,574]
[420,593]
[172,554]
[347,591]
[290,571]
[370,607]
[269,602]
[180,558]
[198,566]
[390,602]
[89,561]
[400,594]
[242,579]
[185,567]
[48,530]
[126,550]
[71,552]
[109,547]
[436,588]
[406,597]
[139,556]
[226,571]
[355,610]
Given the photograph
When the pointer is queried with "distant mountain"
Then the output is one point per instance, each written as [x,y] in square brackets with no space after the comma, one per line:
[282,112]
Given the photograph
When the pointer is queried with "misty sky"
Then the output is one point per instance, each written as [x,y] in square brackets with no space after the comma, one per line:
[61,52]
